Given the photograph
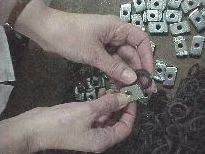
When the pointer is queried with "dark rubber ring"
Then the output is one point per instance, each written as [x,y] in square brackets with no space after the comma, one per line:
[144,73]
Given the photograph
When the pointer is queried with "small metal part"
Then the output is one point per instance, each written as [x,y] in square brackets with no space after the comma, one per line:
[153,46]
[156,4]
[174,4]
[139,5]
[137,21]
[188,5]
[170,76]
[172,16]
[180,46]
[125,12]
[134,93]
[197,19]
[152,15]
[202,11]
[197,45]
[159,70]
[158,27]
[180,28]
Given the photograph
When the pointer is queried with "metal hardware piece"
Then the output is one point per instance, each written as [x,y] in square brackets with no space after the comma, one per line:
[137,21]
[172,16]
[180,28]
[197,19]
[152,15]
[156,4]
[170,76]
[139,5]
[180,46]
[125,12]
[188,5]
[174,4]
[203,11]
[159,71]
[134,93]
[158,27]
[153,46]
[197,45]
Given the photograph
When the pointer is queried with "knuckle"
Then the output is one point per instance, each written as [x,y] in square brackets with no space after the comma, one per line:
[92,59]
[114,67]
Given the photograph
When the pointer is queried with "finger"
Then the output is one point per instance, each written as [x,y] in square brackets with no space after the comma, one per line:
[111,135]
[130,56]
[102,92]
[108,103]
[129,34]
[114,68]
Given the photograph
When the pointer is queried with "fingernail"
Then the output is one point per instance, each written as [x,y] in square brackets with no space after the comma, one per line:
[129,76]
[122,99]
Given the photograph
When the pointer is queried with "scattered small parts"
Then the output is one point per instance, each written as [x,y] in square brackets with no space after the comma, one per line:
[164,73]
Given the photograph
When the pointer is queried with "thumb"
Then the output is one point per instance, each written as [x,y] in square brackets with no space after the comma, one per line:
[109,103]
[115,69]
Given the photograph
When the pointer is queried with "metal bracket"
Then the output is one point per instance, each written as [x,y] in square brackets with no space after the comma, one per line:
[125,12]
[156,4]
[188,5]
[203,11]
[152,15]
[134,93]
[172,16]
[158,27]
[180,28]
[159,71]
[137,21]
[197,19]
[174,4]
[197,45]
[180,46]
[139,5]
[170,76]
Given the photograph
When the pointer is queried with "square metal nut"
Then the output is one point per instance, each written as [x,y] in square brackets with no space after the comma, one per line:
[158,27]
[188,5]
[159,70]
[170,76]
[174,4]
[137,21]
[180,46]
[139,5]
[197,45]
[197,19]
[202,12]
[152,15]
[180,28]
[172,16]
[125,12]
[156,4]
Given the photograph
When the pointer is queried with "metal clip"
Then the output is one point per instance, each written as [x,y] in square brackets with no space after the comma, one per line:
[136,90]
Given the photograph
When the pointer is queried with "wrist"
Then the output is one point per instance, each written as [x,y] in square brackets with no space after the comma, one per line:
[18,134]
[31,20]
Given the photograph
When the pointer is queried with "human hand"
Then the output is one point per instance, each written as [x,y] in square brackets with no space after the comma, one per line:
[103,41]
[69,126]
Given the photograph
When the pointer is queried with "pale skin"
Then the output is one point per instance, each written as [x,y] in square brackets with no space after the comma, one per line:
[102,41]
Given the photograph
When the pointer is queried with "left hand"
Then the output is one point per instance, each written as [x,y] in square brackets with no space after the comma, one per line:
[103,41]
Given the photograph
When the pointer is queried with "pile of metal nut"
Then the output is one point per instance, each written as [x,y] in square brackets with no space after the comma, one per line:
[159,17]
